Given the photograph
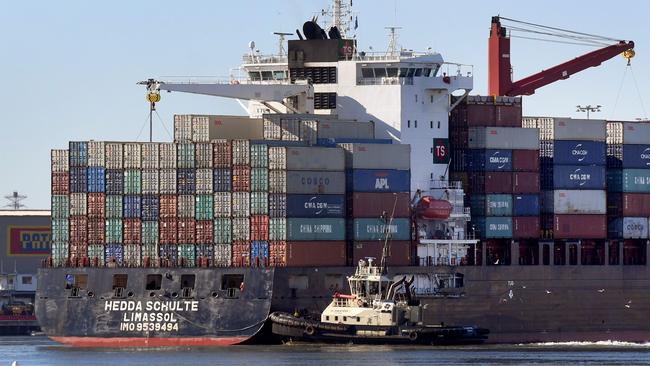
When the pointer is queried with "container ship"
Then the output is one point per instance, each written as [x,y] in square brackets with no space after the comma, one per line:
[535,228]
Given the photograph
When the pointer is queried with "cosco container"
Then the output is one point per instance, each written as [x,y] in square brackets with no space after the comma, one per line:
[185,155]
[323,205]
[525,160]
[490,160]
[222,231]
[364,180]
[204,183]
[186,206]
[222,204]
[241,204]
[150,181]
[313,182]
[240,229]
[203,152]
[114,254]
[399,252]
[579,129]
[186,181]
[259,203]
[628,228]
[114,181]
[203,207]
[503,138]
[78,204]
[526,205]
[636,180]
[525,227]
[78,153]
[376,229]
[580,227]
[167,154]
[132,181]
[579,177]
[60,161]
[114,204]
[636,156]
[570,152]
[493,227]
[221,180]
[78,180]
[132,155]
[581,202]
[204,232]
[377,156]
[362,204]
[150,155]
[221,154]
[277,205]
[346,129]
[637,133]
[636,204]
[114,155]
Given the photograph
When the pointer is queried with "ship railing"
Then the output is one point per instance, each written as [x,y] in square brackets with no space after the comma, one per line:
[456,69]
[388,56]
[387,80]
[264,59]
[445,184]
[344,302]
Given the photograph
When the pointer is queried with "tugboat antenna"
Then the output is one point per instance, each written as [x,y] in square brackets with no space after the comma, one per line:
[387,223]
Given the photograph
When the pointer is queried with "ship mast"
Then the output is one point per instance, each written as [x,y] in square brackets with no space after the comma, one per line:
[341,13]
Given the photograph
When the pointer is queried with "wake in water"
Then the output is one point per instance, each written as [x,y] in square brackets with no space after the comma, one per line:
[590,344]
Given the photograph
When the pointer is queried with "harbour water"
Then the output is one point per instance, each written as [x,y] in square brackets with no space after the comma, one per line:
[42,352]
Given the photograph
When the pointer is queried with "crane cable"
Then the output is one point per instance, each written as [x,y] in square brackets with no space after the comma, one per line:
[638,91]
[591,36]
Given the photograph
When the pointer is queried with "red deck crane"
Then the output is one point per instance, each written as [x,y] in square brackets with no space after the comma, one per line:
[500,71]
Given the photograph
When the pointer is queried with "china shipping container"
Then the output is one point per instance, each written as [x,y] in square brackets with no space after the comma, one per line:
[580,226]
[377,156]
[375,180]
[316,229]
[375,229]
[573,152]
[399,252]
[491,205]
[636,180]
[503,138]
[627,228]
[579,177]
[367,204]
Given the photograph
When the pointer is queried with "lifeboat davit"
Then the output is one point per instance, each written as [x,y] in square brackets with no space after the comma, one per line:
[429,208]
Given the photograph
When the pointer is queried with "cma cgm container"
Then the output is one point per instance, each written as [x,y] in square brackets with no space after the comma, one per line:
[636,156]
[375,180]
[571,152]
[321,205]
[490,160]
[579,177]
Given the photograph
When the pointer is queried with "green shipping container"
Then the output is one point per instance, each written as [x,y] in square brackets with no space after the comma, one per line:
[498,205]
[96,251]
[259,203]
[113,231]
[375,229]
[59,253]
[259,179]
[60,206]
[132,181]
[185,155]
[259,156]
[493,227]
[149,231]
[60,230]
[186,255]
[203,207]
[113,206]
[302,229]
[222,231]
[277,228]
[150,251]
[636,180]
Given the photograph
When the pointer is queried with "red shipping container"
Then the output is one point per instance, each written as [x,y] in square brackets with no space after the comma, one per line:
[78,229]
[525,160]
[498,182]
[221,154]
[204,232]
[186,231]
[168,231]
[278,253]
[96,231]
[480,115]
[132,231]
[259,228]
[373,204]
[525,227]
[60,183]
[636,204]
[240,253]
[96,205]
[241,178]
[168,208]
[508,115]
[525,182]
[315,253]
[79,254]
[399,252]
[580,227]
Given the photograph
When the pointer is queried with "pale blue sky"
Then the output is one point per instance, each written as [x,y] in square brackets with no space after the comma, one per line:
[69,68]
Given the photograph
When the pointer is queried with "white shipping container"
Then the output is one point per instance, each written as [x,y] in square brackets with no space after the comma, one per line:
[132,155]
[60,161]
[222,255]
[323,158]
[150,155]
[114,155]
[222,204]
[182,127]
[278,158]
[277,181]
[635,228]
[241,229]
[636,133]
[167,153]
[200,128]
[167,181]
[584,202]
[150,181]
[78,204]
[579,129]
[204,181]
[96,153]
[241,206]
[203,152]
[503,138]
[186,205]
[240,152]
[272,128]
[290,129]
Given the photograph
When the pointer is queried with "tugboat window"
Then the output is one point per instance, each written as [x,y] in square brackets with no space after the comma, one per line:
[187,281]
[231,281]
[79,281]
[119,281]
[154,282]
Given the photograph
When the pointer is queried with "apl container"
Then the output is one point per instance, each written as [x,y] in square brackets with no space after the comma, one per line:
[526,205]
[579,177]
[498,205]
[322,229]
[323,205]
[579,202]
[636,180]
[571,152]
[375,204]
[636,156]
[628,228]
[365,180]
[580,227]
[376,229]
[313,182]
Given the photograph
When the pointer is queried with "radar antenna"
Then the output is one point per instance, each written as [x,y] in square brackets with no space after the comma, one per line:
[15,200]
[393,47]
[281,35]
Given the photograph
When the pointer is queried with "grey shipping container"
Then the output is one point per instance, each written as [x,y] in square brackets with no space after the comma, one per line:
[346,129]
[503,138]
[579,129]
[314,158]
[377,156]
[236,127]
[637,133]
[314,182]
[590,202]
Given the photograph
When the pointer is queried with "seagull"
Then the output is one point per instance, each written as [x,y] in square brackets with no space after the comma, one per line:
[548,292]
[627,306]
[523,286]
[601,290]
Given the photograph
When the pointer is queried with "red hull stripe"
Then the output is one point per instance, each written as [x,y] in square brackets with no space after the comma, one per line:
[148,342]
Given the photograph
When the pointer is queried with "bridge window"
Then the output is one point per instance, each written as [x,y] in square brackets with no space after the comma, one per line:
[426,72]
[267,75]
[380,72]
[418,72]
[367,72]
[279,75]
[391,72]
[410,73]
[154,282]
[324,100]
[403,72]
[255,75]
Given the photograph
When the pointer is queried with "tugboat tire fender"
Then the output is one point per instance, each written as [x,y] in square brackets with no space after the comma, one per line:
[413,336]
[309,330]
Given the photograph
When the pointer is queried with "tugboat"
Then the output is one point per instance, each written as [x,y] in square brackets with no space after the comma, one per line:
[378,310]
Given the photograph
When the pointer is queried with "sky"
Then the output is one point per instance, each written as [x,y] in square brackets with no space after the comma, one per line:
[69,68]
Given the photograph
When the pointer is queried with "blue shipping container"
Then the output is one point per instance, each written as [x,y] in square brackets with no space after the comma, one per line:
[96,180]
[150,207]
[331,142]
[78,180]
[319,205]
[374,180]
[132,206]
[186,181]
[579,177]
[614,180]
[526,205]
[222,180]
[114,253]
[259,250]
[636,156]
[489,160]
[78,155]
[579,152]
[114,181]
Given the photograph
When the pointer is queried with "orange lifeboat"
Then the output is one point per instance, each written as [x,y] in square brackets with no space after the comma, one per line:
[429,208]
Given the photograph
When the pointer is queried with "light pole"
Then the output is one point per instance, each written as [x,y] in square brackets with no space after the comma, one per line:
[588,108]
